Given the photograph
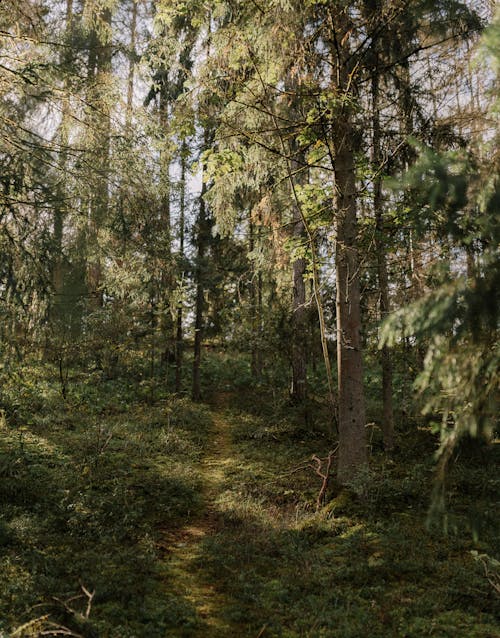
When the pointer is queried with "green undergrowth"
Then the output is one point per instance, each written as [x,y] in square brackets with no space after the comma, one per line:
[86,487]
[92,488]
[370,562]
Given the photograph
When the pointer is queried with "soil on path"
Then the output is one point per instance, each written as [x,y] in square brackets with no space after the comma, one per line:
[183,547]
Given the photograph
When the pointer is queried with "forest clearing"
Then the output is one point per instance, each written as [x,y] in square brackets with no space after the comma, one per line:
[249,319]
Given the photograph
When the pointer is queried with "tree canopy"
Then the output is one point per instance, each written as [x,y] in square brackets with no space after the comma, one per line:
[287,208]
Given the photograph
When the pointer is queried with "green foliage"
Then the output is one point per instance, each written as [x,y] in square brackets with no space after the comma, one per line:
[459,198]
[103,473]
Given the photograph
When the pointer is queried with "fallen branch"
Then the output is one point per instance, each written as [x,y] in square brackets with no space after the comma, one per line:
[30,624]
[60,630]
[322,467]
[491,569]
[73,612]
[324,474]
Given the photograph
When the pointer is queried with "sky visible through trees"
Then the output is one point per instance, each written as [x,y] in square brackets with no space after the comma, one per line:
[290,205]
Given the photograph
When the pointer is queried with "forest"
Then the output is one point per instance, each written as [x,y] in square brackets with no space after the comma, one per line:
[249,318]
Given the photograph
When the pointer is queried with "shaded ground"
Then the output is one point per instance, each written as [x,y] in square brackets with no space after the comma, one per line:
[182,548]
[259,561]
[191,521]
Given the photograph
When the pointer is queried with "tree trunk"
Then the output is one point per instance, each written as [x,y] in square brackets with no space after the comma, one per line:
[99,70]
[299,317]
[179,336]
[202,242]
[131,67]
[351,406]
[255,294]
[383,279]
[59,210]
[163,256]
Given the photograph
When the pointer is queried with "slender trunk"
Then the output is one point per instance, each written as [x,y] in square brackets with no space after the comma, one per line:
[131,68]
[58,220]
[258,353]
[179,336]
[163,252]
[313,336]
[203,235]
[254,315]
[202,244]
[352,436]
[99,71]
[299,328]
[383,279]
[471,262]
[405,101]
[417,287]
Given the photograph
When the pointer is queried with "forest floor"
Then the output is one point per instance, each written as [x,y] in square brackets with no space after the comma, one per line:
[183,547]
[126,512]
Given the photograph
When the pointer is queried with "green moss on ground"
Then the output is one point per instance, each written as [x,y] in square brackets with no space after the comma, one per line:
[193,521]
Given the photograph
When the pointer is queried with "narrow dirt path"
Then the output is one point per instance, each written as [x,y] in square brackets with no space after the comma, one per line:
[184,546]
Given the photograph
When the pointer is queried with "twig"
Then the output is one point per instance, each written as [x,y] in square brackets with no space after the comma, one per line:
[102,444]
[29,624]
[325,475]
[317,464]
[90,595]
[73,612]
[492,576]
[59,630]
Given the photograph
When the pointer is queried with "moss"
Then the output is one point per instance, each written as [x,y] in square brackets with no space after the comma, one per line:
[190,521]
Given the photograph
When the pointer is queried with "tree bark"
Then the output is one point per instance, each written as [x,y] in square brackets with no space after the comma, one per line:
[383,278]
[202,243]
[299,317]
[179,332]
[351,406]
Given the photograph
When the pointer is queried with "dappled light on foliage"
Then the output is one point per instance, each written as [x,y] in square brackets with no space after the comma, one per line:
[249,319]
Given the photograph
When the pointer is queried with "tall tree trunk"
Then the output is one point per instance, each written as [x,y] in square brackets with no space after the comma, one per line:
[351,405]
[383,279]
[313,335]
[99,72]
[255,294]
[131,67]
[202,240]
[299,317]
[59,210]
[406,107]
[179,336]
[201,248]
[163,252]
[352,452]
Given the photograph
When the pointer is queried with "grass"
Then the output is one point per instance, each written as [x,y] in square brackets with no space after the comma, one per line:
[85,489]
[364,561]
[200,521]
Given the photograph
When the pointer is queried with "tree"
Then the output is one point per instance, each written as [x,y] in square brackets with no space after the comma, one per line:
[460,316]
